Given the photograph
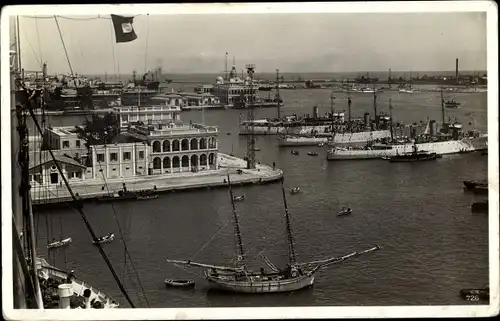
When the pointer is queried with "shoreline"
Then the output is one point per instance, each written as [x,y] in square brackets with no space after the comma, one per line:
[92,188]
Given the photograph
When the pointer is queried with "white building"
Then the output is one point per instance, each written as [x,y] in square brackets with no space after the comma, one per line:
[180,148]
[43,171]
[65,140]
[120,160]
[152,114]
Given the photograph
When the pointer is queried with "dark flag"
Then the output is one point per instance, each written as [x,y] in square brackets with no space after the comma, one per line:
[124,31]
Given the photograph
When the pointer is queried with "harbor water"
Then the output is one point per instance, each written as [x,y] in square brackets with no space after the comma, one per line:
[432,246]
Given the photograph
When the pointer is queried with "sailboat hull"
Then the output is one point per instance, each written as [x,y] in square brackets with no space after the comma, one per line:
[257,286]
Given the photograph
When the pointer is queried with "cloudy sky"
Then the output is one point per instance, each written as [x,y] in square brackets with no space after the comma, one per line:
[291,42]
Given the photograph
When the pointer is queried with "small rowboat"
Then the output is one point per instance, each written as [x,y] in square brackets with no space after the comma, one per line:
[239,198]
[59,243]
[295,152]
[312,154]
[179,283]
[321,144]
[344,211]
[105,239]
[147,197]
[295,190]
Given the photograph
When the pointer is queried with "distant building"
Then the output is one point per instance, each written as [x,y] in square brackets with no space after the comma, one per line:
[65,140]
[120,160]
[187,100]
[153,114]
[44,173]
[180,148]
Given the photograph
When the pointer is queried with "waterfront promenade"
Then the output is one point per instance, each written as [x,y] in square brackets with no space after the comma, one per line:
[92,188]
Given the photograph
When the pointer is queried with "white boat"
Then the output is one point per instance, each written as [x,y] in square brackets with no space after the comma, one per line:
[345,211]
[60,243]
[338,139]
[105,239]
[295,190]
[49,274]
[239,198]
[378,151]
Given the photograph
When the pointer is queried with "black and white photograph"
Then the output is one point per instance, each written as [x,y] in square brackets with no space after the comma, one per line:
[250,160]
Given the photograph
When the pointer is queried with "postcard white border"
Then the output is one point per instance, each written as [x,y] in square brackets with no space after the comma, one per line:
[489,7]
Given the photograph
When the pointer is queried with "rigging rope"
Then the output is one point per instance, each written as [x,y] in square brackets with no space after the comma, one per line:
[210,240]
[112,46]
[64,46]
[82,214]
[39,43]
[123,239]
[146,51]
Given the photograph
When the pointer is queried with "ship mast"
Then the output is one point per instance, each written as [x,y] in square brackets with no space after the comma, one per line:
[251,139]
[332,103]
[442,109]
[278,98]
[241,252]
[390,118]
[375,104]
[291,245]
[349,107]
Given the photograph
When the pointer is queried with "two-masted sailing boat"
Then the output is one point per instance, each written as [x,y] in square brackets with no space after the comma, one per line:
[240,278]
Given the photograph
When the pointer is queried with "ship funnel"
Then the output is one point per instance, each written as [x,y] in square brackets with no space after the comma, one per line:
[432,127]
[65,292]
[367,119]
[86,297]
[315,112]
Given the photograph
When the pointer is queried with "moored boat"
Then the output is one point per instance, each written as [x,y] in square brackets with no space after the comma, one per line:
[120,196]
[239,198]
[295,152]
[470,184]
[344,211]
[105,239]
[179,283]
[481,206]
[416,156]
[295,190]
[59,243]
[312,153]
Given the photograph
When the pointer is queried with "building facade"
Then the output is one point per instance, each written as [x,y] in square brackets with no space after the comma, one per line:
[180,148]
[43,172]
[65,140]
[120,160]
[152,114]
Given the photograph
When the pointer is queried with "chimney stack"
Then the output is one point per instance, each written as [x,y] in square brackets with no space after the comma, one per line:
[456,70]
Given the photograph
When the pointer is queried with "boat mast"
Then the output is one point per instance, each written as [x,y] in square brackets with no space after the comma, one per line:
[291,245]
[241,252]
[442,107]
[349,106]
[390,119]
[332,103]
[278,98]
[375,104]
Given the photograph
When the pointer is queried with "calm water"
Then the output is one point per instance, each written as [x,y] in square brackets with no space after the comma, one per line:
[432,245]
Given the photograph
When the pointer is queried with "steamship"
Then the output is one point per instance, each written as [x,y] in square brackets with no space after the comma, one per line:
[450,140]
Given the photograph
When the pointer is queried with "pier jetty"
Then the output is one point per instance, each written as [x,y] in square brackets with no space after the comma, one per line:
[93,188]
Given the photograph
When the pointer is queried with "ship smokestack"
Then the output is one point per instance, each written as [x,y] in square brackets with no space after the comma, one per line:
[315,112]
[367,119]
[86,297]
[65,293]
[456,70]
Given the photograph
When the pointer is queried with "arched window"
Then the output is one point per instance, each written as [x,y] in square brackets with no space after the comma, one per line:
[175,162]
[156,147]
[166,145]
[175,145]
[157,163]
[203,160]
[212,142]
[185,161]
[194,144]
[166,162]
[194,161]
[203,143]
[211,159]
[185,144]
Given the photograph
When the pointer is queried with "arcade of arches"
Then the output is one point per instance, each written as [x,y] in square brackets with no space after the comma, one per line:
[184,163]
[185,144]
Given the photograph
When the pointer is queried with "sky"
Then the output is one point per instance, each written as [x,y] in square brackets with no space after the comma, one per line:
[322,42]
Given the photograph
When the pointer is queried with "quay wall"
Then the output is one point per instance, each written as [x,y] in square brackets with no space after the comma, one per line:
[93,188]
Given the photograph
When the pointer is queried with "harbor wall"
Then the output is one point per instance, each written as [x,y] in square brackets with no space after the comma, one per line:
[93,188]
